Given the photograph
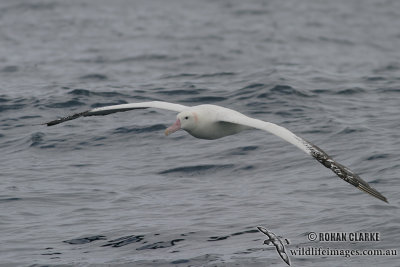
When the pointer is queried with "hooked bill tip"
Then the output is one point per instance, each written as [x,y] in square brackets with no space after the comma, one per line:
[173,128]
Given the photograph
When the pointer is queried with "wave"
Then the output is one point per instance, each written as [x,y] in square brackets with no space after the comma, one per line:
[66,104]
[205,99]
[350,91]
[11,107]
[146,241]
[94,76]
[198,169]
[136,130]
[36,139]
[9,199]
[199,76]
[345,92]
[242,150]
[85,240]
[9,69]
[179,92]
[389,90]
[138,58]
[123,241]
[265,91]
[378,156]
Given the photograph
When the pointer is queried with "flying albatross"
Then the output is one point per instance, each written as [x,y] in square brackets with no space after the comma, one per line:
[213,122]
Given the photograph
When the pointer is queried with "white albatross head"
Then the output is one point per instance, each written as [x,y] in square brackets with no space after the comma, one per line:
[186,120]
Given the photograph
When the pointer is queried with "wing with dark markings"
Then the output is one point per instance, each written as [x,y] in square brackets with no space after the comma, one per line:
[309,148]
[119,108]
[343,172]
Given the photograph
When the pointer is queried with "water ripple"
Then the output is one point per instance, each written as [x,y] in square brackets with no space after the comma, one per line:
[85,240]
[136,130]
[85,92]
[94,76]
[123,241]
[197,169]
[66,104]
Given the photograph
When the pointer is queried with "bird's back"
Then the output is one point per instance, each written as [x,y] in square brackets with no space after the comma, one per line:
[210,125]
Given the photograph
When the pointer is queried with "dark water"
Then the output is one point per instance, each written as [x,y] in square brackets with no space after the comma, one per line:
[114,191]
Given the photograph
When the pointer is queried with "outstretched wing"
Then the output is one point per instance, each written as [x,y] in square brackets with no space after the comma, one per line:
[264,231]
[309,148]
[120,108]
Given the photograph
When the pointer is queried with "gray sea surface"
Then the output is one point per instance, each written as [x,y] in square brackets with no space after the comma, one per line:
[114,191]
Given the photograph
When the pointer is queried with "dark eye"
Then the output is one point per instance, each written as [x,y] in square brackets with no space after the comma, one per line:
[186,117]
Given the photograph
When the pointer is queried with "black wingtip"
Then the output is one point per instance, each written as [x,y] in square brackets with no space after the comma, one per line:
[262,230]
[366,188]
[67,118]
[52,123]
[93,112]
[343,172]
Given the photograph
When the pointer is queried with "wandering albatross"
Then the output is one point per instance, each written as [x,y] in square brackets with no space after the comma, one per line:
[213,122]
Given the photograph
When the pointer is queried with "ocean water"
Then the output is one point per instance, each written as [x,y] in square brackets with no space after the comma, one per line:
[114,191]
